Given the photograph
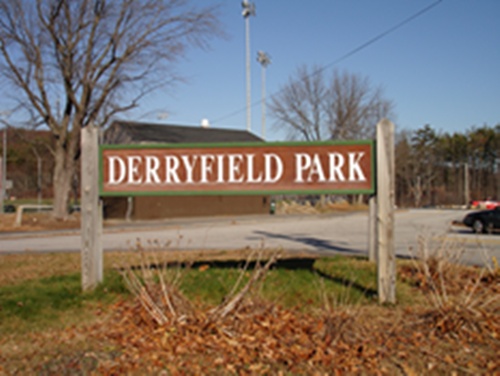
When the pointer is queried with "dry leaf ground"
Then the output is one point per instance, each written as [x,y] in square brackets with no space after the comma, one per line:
[37,222]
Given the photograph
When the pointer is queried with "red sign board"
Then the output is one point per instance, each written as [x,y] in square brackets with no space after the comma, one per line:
[256,168]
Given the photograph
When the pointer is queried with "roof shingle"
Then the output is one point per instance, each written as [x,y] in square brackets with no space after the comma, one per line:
[127,132]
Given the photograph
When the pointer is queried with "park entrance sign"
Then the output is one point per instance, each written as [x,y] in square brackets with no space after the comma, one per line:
[349,167]
[256,168]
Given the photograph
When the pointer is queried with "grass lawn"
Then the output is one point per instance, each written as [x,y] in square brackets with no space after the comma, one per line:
[43,291]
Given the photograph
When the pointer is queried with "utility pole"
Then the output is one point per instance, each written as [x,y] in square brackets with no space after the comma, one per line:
[248,10]
[4,170]
[264,61]
[466,184]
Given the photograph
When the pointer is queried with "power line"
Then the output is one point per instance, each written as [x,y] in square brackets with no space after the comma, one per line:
[347,55]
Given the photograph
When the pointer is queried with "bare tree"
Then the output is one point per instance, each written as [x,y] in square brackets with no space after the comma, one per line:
[300,105]
[354,107]
[312,109]
[77,62]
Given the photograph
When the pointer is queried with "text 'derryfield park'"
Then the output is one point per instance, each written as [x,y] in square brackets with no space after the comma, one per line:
[273,168]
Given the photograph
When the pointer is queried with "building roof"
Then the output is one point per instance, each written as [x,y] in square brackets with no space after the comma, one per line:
[127,132]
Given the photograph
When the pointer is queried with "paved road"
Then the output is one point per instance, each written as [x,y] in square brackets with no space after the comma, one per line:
[416,231]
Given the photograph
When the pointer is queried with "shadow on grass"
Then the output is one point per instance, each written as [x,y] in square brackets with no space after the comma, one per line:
[47,296]
[298,263]
[291,264]
[363,290]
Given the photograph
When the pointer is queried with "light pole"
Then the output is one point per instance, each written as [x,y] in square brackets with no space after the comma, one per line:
[264,61]
[248,10]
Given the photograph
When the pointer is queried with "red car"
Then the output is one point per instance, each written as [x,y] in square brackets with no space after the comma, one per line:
[484,204]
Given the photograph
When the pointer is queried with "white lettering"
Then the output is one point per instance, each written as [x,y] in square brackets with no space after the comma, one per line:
[316,169]
[133,169]
[220,168]
[268,164]
[235,168]
[189,166]
[255,168]
[206,162]
[354,167]
[152,166]
[250,170]
[171,166]
[302,162]
[336,162]
[112,160]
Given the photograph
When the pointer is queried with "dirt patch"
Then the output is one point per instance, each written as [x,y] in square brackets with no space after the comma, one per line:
[292,207]
[38,222]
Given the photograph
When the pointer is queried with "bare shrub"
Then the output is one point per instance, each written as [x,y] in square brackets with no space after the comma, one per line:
[156,290]
[463,299]
[234,299]
[157,287]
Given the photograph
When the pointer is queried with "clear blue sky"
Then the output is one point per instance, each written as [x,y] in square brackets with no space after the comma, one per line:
[442,68]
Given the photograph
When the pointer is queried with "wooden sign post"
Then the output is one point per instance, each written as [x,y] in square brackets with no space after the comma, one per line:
[372,228]
[2,186]
[386,257]
[91,213]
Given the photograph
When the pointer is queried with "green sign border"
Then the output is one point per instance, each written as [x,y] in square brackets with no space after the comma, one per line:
[236,192]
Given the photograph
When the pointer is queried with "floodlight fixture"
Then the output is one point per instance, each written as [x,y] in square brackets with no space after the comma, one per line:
[263,58]
[248,9]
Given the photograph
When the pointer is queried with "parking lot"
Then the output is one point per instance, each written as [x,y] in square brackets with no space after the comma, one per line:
[417,232]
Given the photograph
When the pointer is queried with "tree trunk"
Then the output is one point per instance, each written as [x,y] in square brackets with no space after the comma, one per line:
[63,173]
